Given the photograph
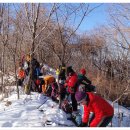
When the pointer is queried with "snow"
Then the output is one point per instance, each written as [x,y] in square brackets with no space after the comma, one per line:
[25,113]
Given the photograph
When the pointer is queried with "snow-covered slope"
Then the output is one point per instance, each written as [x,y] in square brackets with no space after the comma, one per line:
[25,113]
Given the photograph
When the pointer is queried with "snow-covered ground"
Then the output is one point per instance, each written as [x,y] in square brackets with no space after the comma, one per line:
[25,112]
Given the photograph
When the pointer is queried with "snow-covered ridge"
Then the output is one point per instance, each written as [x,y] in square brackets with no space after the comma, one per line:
[26,112]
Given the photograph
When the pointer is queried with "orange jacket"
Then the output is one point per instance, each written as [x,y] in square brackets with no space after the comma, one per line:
[48,80]
[21,74]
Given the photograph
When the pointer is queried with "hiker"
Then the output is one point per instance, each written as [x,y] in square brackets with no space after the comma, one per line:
[71,86]
[48,79]
[61,74]
[61,81]
[21,76]
[35,68]
[102,111]
[57,74]
[36,72]
[83,83]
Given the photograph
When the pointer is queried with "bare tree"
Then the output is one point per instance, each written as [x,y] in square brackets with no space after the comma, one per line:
[67,25]
[4,40]
[32,19]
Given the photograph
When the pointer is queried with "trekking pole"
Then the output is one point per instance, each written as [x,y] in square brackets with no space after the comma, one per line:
[42,103]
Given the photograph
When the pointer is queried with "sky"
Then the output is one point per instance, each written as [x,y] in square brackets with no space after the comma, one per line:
[96,18]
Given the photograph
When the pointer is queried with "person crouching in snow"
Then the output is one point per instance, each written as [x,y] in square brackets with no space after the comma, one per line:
[48,80]
[102,110]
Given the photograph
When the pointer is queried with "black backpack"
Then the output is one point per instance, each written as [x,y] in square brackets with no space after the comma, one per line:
[90,88]
[86,88]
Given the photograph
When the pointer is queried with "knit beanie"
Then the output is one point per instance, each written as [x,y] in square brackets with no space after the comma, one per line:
[79,96]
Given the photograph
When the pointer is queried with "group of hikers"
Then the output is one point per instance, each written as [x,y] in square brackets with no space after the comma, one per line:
[68,83]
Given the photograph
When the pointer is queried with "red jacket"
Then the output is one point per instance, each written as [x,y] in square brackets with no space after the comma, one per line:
[100,107]
[71,82]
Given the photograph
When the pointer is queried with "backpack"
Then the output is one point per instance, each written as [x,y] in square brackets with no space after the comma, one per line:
[86,88]
[90,88]
[66,106]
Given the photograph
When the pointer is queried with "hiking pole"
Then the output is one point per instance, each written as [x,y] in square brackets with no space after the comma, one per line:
[42,103]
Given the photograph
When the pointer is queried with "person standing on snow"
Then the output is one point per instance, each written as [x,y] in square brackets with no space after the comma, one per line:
[82,78]
[102,110]
[71,86]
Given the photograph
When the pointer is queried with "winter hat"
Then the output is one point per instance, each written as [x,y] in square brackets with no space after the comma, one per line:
[83,71]
[79,96]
